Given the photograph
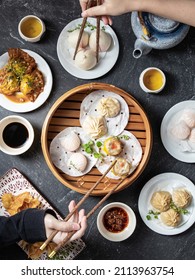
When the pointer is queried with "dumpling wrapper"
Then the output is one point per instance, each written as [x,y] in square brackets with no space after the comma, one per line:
[60,157]
[115,125]
[132,152]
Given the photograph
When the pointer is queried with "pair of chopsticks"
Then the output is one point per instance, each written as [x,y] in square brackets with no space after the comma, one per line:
[70,234]
[89,4]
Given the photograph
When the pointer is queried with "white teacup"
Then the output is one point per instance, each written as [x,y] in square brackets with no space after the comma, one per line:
[31,28]
[16,135]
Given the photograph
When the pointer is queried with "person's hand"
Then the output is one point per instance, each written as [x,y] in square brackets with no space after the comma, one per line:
[51,224]
[107,8]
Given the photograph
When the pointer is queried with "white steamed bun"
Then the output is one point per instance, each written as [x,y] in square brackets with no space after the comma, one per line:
[95,126]
[70,142]
[181,131]
[104,41]
[73,38]
[85,59]
[77,161]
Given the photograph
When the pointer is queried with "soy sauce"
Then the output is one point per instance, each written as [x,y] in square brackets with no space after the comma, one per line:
[115,219]
[15,134]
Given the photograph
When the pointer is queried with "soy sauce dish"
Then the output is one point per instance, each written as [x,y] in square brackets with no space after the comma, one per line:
[116,221]
[16,135]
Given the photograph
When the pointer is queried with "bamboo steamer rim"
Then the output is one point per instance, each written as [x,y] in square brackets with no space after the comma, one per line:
[92,87]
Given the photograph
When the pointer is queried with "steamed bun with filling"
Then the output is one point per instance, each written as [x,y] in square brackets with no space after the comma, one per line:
[77,161]
[85,59]
[192,135]
[188,117]
[73,38]
[70,142]
[170,218]
[181,131]
[95,126]
[108,107]
[161,200]
[104,41]
[181,198]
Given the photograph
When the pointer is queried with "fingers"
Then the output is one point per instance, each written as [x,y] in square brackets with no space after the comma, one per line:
[82,229]
[94,11]
[83,4]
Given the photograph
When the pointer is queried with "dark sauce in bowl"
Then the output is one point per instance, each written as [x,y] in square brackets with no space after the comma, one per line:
[15,134]
[115,219]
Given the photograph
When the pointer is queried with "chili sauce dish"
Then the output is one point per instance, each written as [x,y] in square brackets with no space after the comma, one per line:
[116,221]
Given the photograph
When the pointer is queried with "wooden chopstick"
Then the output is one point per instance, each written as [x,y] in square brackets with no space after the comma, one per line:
[82,30]
[43,246]
[70,234]
[97,34]
[89,3]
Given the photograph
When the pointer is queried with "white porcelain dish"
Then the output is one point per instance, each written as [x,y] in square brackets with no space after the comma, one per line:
[65,53]
[29,106]
[171,146]
[126,233]
[166,182]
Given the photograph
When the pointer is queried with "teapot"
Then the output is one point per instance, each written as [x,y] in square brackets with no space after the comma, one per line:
[155,32]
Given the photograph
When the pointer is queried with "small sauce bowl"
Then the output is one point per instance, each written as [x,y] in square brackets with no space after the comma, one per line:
[152,80]
[127,224]
[31,28]
[16,135]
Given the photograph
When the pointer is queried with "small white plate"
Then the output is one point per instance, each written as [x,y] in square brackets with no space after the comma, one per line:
[172,147]
[107,59]
[166,182]
[29,106]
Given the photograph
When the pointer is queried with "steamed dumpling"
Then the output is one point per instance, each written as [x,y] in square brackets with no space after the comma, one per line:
[104,41]
[188,117]
[95,126]
[181,198]
[73,38]
[77,161]
[161,200]
[85,59]
[71,142]
[192,135]
[181,131]
[108,107]
[170,218]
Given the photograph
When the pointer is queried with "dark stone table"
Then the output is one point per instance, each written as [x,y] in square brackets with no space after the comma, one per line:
[179,66]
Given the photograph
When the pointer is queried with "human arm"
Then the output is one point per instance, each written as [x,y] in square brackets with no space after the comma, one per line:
[33,225]
[178,10]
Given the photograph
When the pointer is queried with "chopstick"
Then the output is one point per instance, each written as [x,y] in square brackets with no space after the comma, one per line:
[89,4]
[43,246]
[70,234]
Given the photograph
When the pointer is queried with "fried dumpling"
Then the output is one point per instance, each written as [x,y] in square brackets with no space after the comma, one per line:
[105,41]
[181,131]
[161,200]
[170,218]
[108,107]
[188,117]
[77,161]
[181,198]
[95,126]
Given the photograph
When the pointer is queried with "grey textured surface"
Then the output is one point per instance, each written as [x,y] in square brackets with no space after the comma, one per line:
[179,66]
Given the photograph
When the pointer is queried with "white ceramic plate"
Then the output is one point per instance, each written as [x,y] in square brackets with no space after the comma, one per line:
[171,147]
[166,182]
[107,59]
[29,106]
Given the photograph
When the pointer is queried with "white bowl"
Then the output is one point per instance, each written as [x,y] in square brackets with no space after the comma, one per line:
[26,145]
[146,72]
[128,230]
[24,36]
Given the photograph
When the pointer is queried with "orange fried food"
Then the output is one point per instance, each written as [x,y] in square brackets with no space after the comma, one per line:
[14,204]
[21,74]
[32,85]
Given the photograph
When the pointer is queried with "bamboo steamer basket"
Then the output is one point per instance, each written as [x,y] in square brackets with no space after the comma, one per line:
[65,113]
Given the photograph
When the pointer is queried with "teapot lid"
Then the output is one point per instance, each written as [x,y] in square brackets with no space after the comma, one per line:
[162,24]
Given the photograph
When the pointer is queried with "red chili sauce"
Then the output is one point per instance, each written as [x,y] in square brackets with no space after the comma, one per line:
[115,219]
